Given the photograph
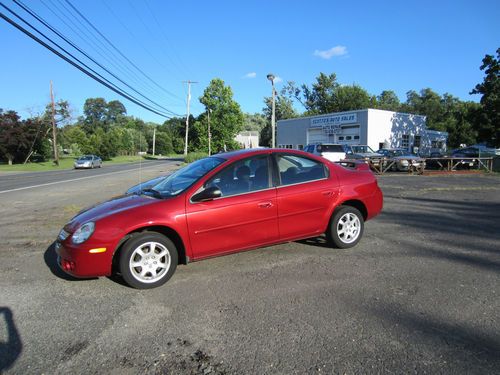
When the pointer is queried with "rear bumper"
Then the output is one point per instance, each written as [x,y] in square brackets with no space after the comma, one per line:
[79,262]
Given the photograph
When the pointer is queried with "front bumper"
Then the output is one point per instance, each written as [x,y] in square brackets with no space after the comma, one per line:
[78,261]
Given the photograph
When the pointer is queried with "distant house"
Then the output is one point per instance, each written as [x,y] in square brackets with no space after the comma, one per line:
[248,139]
[373,127]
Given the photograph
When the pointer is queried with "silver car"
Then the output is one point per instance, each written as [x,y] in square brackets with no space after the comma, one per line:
[403,160]
[88,161]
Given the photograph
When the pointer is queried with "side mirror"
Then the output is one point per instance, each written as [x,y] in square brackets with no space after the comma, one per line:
[208,194]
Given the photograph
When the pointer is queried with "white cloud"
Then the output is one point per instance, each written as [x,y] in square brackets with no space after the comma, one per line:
[278,79]
[250,75]
[329,53]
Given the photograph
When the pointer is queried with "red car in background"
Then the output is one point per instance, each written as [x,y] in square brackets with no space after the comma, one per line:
[222,204]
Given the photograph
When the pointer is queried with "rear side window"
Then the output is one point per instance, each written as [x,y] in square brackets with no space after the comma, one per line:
[295,169]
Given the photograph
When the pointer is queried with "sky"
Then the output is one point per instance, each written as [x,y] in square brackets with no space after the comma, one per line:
[386,45]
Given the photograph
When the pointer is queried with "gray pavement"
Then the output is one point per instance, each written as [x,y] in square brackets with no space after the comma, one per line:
[16,181]
[419,294]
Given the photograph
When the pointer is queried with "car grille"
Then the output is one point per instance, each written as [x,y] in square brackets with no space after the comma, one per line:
[63,235]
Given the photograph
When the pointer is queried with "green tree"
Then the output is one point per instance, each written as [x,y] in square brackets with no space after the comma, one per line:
[388,100]
[163,143]
[254,122]
[326,95]
[115,109]
[95,114]
[18,138]
[351,97]
[488,125]
[226,119]
[74,135]
[283,110]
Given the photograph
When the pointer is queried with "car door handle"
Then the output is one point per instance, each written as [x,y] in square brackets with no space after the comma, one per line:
[265,204]
[327,193]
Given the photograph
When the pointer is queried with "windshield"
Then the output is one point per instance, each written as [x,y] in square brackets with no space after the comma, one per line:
[362,150]
[83,158]
[179,181]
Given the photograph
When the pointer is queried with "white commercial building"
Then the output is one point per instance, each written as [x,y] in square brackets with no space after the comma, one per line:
[373,127]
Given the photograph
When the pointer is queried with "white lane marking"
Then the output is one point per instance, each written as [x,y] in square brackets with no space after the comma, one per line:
[75,179]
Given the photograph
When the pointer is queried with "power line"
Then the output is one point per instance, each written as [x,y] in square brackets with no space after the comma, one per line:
[117,50]
[84,33]
[86,55]
[85,71]
[181,64]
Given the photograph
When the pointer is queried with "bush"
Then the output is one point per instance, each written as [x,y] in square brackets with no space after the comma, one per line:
[193,156]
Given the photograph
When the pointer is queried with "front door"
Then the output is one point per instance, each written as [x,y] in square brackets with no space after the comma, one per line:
[244,217]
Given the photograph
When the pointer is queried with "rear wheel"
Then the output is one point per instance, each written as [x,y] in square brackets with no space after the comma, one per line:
[346,227]
[148,260]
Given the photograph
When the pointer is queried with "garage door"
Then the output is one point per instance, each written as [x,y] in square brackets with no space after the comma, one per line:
[317,136]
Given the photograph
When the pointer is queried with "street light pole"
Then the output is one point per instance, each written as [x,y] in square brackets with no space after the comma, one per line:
[271,77]
[209,134]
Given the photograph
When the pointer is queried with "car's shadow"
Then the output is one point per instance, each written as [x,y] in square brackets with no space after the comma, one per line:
[50,258]
[320,241]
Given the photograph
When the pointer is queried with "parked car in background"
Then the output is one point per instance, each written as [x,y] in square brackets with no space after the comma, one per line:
[222,204]
[364,152]
[466,157]
[330,151]
[88,161]
[403,160]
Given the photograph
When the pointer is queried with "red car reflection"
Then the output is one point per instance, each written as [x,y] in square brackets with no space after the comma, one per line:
[219,205]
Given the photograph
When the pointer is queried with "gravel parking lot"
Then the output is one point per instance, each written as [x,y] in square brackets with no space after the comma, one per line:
[420,293]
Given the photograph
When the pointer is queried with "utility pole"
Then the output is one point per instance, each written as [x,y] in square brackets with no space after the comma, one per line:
[209,134]
[187,117]
[154,140]
[271,77]
[54,138]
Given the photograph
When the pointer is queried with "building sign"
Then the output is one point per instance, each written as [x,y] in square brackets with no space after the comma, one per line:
[331,124]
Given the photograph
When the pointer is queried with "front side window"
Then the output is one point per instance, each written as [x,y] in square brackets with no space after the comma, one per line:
[296,169]
[179,181]
[243,176]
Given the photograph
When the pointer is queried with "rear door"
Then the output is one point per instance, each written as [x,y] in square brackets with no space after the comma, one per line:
[305,195]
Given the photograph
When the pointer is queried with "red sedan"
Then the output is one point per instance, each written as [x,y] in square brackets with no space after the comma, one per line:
[219,205]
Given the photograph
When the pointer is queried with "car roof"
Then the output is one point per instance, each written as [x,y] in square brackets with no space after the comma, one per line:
[241,154]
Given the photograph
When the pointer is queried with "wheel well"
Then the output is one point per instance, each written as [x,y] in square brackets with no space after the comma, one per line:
[357,204]
[166,231]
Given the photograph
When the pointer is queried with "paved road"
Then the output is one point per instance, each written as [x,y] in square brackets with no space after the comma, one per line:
[19,181]
[419,294]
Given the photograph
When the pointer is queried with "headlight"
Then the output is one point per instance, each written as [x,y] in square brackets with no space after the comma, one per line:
[83,233]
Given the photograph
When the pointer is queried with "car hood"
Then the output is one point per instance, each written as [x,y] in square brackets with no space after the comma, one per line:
[368,155]
[111,207]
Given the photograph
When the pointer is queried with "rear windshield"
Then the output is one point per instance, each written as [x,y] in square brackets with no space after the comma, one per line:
[330,148]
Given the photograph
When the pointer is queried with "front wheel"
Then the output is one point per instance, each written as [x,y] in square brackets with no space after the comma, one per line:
[346,227]
[148,260]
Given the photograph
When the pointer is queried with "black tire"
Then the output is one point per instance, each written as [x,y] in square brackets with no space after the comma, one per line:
[134,276]
[355,229]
